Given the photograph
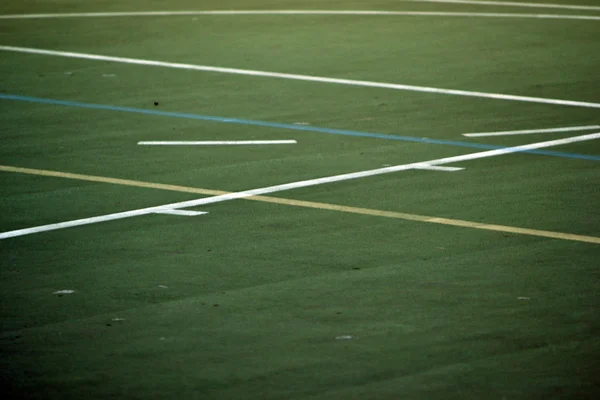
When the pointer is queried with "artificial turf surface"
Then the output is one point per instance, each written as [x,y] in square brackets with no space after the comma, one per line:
[261,300]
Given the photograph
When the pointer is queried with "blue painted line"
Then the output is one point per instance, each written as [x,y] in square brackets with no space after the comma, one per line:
[288,126]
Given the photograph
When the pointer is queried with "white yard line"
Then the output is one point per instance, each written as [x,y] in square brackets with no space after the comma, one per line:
[531,131]
[215,142]
[300,12]
[511,4]
[294,185]
[310,78]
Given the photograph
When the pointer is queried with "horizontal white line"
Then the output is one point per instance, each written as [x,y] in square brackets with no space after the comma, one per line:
[185,213]
[310,78]
[530,131]
[300,12]
[294,185]
[511,4]
[437,168]
[216,143]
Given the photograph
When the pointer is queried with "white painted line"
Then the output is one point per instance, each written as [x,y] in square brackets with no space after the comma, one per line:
[294,185]
[510,4]
[301,12]
[530,131]
[65,291]
[434,168]
[310,78]
[184,213]
[216,143]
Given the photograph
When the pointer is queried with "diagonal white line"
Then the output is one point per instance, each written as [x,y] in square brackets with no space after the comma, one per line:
[310,78]
[184,213]
[294,185]
[511,4]
[302,12]
[437,168]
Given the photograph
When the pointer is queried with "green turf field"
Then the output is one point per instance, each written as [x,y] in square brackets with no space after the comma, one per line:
[479,283]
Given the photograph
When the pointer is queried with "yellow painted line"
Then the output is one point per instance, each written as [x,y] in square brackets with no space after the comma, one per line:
[312,204]
[115,181]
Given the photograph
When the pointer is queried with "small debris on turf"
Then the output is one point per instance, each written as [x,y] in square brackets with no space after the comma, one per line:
[215,305]
[108,325]
[156,103]
[356,268]
[68,73]
[109,75]
[118,319]
[163,286]
[344,337]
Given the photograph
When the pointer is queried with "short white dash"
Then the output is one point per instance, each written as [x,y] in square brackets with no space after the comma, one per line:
[215,143]
[531,131]
[65,291]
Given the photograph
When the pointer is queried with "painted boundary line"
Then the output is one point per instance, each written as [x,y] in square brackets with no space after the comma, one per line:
[313,205]
[293,185]
[309,78]
[302,12]
[510,4]
[307,128]
[531,131]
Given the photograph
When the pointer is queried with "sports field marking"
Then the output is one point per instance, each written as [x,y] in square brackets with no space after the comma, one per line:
[301,12]
[511,4]
[278,125]
[531,131]
[184,213]
[437,168]
[310,78]
[313,205]
[290,186]
[216,143]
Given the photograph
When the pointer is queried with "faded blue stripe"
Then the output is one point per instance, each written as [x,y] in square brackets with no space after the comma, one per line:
[289,126]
